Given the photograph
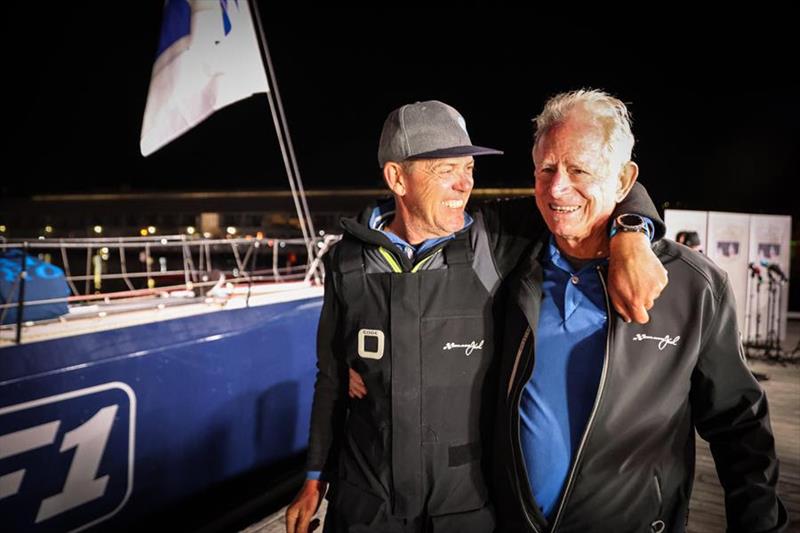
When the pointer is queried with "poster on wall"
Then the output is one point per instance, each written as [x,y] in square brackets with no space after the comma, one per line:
[678,220]
[768,282]
[728,247]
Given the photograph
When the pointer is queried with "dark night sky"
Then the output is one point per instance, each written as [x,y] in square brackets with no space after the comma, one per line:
[715,110]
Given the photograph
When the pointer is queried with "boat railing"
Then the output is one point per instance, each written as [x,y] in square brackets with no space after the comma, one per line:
[181,268]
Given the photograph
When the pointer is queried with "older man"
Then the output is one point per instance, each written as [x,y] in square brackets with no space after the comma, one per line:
[597,416]
[408,305]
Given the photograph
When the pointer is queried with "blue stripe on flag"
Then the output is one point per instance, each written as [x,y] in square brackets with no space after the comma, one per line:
[226,21]
[177,23]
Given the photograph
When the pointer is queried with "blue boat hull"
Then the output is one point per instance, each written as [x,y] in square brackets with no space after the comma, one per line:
[99,430]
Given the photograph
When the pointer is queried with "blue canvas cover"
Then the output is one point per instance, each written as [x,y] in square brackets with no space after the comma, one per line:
[44,281]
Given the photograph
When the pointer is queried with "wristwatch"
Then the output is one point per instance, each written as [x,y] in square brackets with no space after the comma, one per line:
[631,222]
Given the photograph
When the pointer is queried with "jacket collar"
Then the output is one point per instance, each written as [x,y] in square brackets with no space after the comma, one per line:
[526,281]
[364,227]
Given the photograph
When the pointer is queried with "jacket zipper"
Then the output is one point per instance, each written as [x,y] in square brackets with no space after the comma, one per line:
[516,360]
[397,268]
[603,376]
[658,493]
[515,419]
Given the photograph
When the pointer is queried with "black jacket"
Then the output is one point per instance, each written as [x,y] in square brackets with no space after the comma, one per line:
[683,370]
[414,447]
[511,227]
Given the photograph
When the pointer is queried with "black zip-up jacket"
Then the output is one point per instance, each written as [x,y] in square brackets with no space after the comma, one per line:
[683,370]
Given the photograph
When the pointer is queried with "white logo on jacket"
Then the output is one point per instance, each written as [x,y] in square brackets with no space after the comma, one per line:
[468,348]
[662,341]
[376,334]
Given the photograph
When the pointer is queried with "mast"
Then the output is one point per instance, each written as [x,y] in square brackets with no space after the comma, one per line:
[285,142]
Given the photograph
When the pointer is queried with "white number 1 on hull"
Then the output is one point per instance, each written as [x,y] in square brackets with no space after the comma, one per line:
[81,486]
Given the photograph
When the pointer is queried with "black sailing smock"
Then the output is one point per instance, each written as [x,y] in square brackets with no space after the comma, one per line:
[420,335]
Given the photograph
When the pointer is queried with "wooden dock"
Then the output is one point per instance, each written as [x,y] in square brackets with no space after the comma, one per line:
[707,509]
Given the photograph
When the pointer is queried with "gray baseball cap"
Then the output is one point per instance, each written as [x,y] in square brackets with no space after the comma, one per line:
[426,130]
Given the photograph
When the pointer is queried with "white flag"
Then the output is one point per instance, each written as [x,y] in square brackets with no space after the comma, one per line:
[208,57]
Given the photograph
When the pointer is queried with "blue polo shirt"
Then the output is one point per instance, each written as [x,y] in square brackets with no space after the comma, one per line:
[570,348]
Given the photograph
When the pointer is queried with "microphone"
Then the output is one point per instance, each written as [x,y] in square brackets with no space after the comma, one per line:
[755,271]
[773,268]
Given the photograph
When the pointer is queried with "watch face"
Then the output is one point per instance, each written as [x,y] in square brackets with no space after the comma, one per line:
[631,220]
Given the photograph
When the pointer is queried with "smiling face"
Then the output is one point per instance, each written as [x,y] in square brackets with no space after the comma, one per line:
[430,195]
[578,184]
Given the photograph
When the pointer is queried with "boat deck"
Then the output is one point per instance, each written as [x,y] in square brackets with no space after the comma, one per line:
[107,316]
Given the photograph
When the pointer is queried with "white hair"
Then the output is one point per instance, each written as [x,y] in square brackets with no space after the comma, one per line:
[609,112]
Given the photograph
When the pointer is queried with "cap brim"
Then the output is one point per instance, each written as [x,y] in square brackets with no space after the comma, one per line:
[456,151]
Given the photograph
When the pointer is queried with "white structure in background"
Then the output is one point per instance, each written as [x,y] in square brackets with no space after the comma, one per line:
[754,251]
[726,243]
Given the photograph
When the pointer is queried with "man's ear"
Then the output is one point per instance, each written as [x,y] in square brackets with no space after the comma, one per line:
[627,177]
[395,178]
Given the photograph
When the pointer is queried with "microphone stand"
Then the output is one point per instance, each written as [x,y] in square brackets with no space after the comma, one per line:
[758,312]
[753,345]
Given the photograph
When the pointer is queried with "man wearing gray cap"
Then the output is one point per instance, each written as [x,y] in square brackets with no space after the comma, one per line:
[409,297]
